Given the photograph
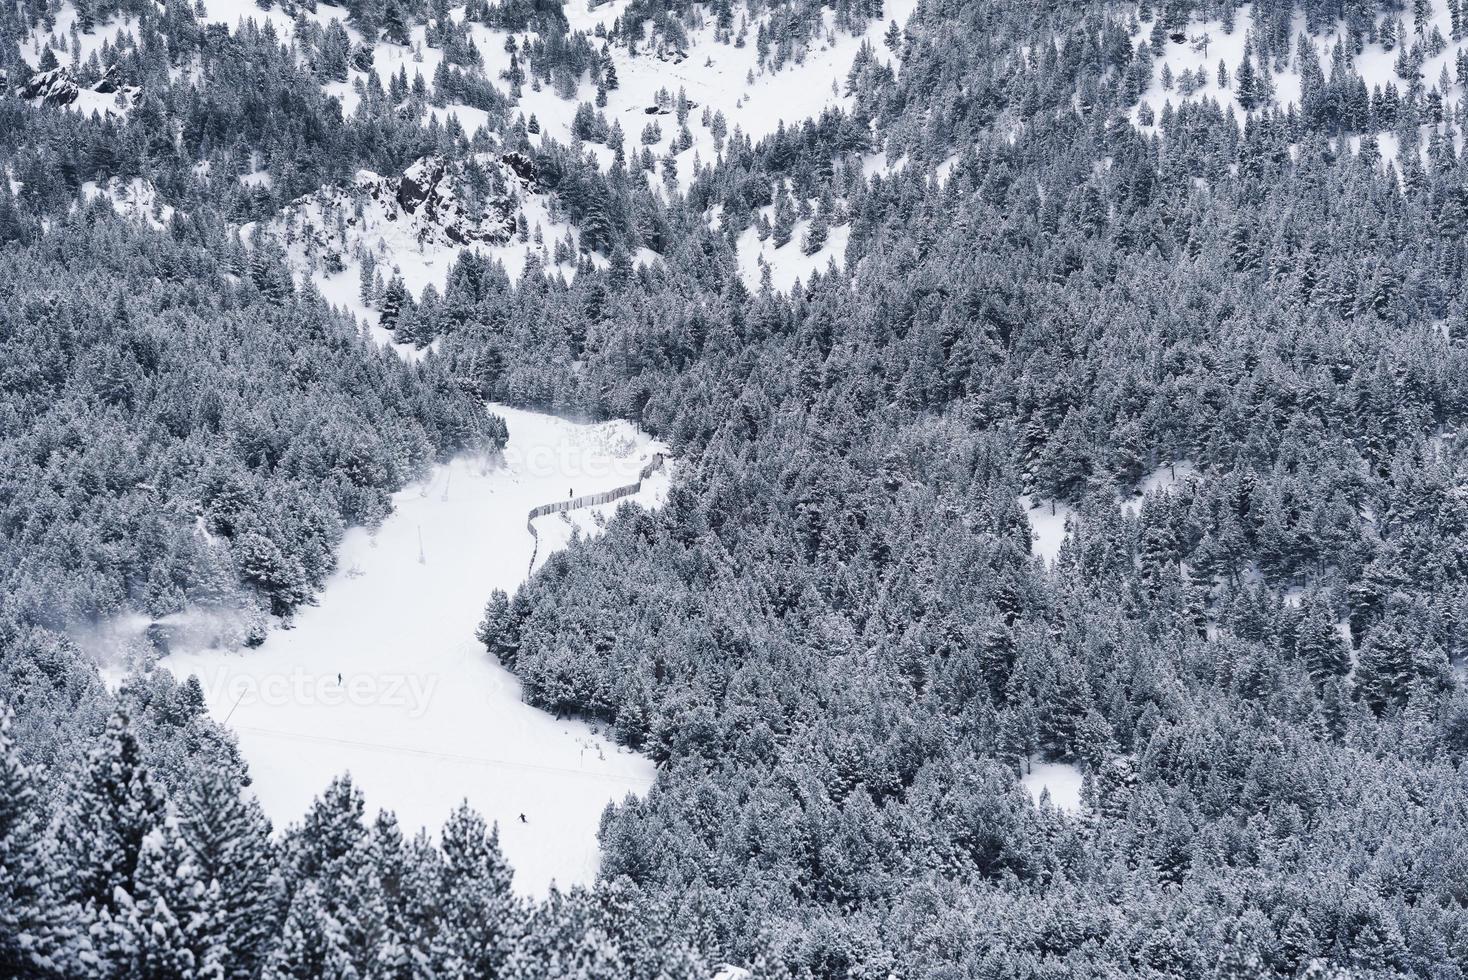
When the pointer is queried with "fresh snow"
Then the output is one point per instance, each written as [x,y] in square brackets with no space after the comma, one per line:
[1161,479]
[232,13]
[136,199]
[726,971]
[366,217]
[715,76]
[1061,780]
[789,262]
[59,39]
[423,717]
[1049,523]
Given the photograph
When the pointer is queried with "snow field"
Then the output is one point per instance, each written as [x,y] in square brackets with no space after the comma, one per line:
[1160,479]
[422,717]
[1060,780]
[60,37]
[789,262]
[1049,524]
[712,75]
[135,198]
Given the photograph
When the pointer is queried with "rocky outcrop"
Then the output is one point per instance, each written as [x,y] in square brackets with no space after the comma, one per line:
[522,166]
[426,199]
[54,88]
[420,184]
[110,84]
[429,210]
[57,88]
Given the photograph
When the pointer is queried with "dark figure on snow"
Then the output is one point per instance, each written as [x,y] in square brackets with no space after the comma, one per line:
[522,819]
[338,680]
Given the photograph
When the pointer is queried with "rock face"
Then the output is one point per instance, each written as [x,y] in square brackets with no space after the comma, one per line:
[53,88]
[419,185]
[522,166]
[57,88]
[429,206]
[426,199]
[110,84]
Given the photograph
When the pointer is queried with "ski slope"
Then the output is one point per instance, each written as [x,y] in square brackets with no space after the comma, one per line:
[422,717]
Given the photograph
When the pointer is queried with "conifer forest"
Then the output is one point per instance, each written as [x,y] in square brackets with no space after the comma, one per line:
[733,489]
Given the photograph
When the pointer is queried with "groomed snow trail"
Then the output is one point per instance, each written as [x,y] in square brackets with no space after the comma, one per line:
[422,717]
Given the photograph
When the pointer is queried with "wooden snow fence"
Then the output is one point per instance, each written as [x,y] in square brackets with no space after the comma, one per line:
[588,500]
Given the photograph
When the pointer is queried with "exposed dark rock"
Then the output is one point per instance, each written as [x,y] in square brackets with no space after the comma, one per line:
[109,83]
[361,58]
[419,183]
[522,165]
[54,87]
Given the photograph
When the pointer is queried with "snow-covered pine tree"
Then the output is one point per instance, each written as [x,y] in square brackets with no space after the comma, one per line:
[229,841]
[478,914]
[113,808]
[394,299]
[32,935]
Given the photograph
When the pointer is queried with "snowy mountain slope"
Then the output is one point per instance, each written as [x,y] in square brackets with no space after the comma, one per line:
[58,88]
[716,78]
[415,225]
[77,50]
[422,716]
[677,105]
[1192,55]
[136,198]
[788,263]
[419,214]
[72,44]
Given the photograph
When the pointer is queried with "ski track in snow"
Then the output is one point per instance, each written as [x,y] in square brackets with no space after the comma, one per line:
[423,717]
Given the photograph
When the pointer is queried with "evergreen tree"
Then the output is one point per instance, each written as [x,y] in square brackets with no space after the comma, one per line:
[114,808]
[31,931]
[478,912]
[1384,670]
[1318,642]
[395,299]
[229,842]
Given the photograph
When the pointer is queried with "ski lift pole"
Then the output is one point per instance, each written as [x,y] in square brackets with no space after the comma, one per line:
[231,710]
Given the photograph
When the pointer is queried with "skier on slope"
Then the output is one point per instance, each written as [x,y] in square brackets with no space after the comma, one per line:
[522,819]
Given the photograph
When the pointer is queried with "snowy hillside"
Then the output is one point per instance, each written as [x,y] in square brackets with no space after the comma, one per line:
[422,717]
[666,109]
[715,77]
[1394,55]
[417,223]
